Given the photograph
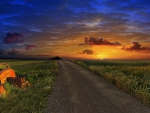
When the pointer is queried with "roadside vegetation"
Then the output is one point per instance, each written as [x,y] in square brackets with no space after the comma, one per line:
[41,75]
[131,76]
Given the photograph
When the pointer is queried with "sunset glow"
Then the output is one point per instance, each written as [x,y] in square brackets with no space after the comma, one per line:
[102,56]
[93,29]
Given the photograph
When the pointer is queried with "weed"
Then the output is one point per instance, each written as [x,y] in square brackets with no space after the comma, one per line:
[41,75]
[131,76]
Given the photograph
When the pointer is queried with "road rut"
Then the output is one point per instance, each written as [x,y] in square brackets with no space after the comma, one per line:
[77,90]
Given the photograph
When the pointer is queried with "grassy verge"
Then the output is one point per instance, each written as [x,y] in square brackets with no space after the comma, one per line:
[41,75]
[132,77]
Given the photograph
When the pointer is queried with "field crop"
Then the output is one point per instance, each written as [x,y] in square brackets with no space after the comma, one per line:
[41,75]
[131,76]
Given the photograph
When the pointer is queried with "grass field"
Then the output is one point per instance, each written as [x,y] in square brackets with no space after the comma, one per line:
[131,76]
[41,75]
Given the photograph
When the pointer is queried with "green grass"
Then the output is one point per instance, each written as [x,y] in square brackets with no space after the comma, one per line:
[41,75]
[131,76]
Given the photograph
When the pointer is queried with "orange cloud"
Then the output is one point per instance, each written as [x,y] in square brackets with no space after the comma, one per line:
[87,51]
[136,47]
[100,41]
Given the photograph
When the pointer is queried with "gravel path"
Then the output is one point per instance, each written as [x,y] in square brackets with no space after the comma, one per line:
[77,90]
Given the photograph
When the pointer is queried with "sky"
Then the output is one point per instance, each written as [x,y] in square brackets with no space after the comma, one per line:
[87,29]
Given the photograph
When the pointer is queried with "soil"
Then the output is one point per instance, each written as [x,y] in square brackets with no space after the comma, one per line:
[77,90]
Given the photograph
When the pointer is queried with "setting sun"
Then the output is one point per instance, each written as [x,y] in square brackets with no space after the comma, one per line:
[101,56]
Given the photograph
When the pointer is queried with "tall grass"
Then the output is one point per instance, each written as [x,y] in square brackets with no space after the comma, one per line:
[41,75]
[131,76]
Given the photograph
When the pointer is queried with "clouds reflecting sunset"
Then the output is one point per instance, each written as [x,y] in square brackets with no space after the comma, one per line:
[44,29]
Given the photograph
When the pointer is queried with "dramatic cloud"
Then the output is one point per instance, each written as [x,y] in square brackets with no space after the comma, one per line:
[60,25]
[136,47]
[87,51]
[29,47]
[13,38]
[100,41]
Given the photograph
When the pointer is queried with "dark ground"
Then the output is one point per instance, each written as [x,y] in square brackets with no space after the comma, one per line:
[77,90]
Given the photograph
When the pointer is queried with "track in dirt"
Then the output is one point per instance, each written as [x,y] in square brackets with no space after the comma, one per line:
[77,90]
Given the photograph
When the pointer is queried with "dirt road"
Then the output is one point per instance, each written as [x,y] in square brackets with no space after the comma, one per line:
[78,90]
